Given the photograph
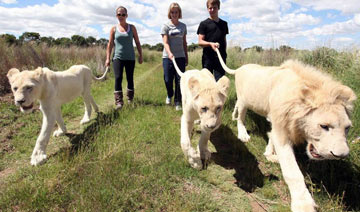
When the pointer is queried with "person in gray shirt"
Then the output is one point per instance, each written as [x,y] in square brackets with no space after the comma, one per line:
[174,37]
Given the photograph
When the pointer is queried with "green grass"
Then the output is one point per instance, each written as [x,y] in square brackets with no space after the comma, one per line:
[131,160]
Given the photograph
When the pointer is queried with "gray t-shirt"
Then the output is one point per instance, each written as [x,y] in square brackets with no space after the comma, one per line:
[176,35]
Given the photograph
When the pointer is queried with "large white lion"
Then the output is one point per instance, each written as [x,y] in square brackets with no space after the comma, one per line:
[51,89]
[302,104]
[204,98]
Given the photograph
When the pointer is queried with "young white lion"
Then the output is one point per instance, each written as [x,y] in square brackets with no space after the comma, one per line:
[51,89]
[204,98]
[302,104]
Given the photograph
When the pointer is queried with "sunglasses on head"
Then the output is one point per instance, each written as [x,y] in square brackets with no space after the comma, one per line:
[119,14]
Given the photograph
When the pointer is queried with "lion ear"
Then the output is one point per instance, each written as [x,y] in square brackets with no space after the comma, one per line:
[307,96]
[346,97]
[223,85]
[39,73]
[194,86]
[12,72]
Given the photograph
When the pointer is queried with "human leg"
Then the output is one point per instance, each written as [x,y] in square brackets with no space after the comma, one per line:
[177,99]
[208,64]
[118,72]
[129,69]
[168,79]
[118,66]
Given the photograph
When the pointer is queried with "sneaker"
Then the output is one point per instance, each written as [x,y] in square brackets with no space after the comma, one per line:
[168,100]
[178,107]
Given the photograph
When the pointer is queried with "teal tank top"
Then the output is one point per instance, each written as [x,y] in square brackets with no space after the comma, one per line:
[124,49]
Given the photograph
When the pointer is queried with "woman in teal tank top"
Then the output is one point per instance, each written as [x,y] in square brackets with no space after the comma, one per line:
[121,37]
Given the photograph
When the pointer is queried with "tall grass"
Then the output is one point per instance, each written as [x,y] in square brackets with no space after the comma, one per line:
[237,57]
[29,56]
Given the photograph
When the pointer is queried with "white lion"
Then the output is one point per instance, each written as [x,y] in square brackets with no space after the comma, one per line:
[51,89]
[204,98]
[302,104]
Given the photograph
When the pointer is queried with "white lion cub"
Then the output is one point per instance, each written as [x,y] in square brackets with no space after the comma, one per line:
[51,89]
[204,98]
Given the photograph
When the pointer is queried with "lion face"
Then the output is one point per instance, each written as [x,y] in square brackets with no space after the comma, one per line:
[209,98]
[25,86]
[326,129]
[209,107]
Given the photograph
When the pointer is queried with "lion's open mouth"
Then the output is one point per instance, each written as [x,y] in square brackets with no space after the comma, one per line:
[314,152]
[27,107]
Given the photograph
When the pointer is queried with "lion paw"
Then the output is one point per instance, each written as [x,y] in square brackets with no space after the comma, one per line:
[58,132]
[304,207]
[38,159]
[84,120]
[305,204]
[196,163]
[272,158]
[244,137]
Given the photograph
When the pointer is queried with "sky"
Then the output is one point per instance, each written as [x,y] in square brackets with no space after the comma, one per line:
[300,24]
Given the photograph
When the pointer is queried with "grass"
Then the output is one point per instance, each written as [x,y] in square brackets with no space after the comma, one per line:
[131,160]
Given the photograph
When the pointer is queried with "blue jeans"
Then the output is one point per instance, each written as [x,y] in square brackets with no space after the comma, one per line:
[169,76]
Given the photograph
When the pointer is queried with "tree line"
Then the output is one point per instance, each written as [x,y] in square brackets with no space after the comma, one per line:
[75,40]
[80,41]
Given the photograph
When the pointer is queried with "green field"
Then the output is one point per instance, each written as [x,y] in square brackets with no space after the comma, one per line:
[131,160]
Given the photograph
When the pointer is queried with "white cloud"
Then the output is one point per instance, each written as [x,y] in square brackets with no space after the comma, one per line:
[344,39]
[345,6]
[337,28]
[251,22]
[357,19]
[8,1]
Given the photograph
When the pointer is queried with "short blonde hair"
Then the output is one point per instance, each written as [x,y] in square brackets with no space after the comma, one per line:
[174,5]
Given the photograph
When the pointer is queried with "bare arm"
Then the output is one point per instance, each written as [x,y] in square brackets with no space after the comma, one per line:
[110,46]
[138,45]
[165,39]
[204,43]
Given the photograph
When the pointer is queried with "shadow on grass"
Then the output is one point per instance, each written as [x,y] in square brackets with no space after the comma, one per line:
[258,125]
[336,178]
[231,153]
[143,102]
[81,141]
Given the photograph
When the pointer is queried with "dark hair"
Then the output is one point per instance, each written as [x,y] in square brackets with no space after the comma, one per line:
[121,7]
[213,3]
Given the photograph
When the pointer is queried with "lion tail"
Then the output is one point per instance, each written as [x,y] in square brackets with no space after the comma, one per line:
[177,68]
[227,69]
[103,76]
